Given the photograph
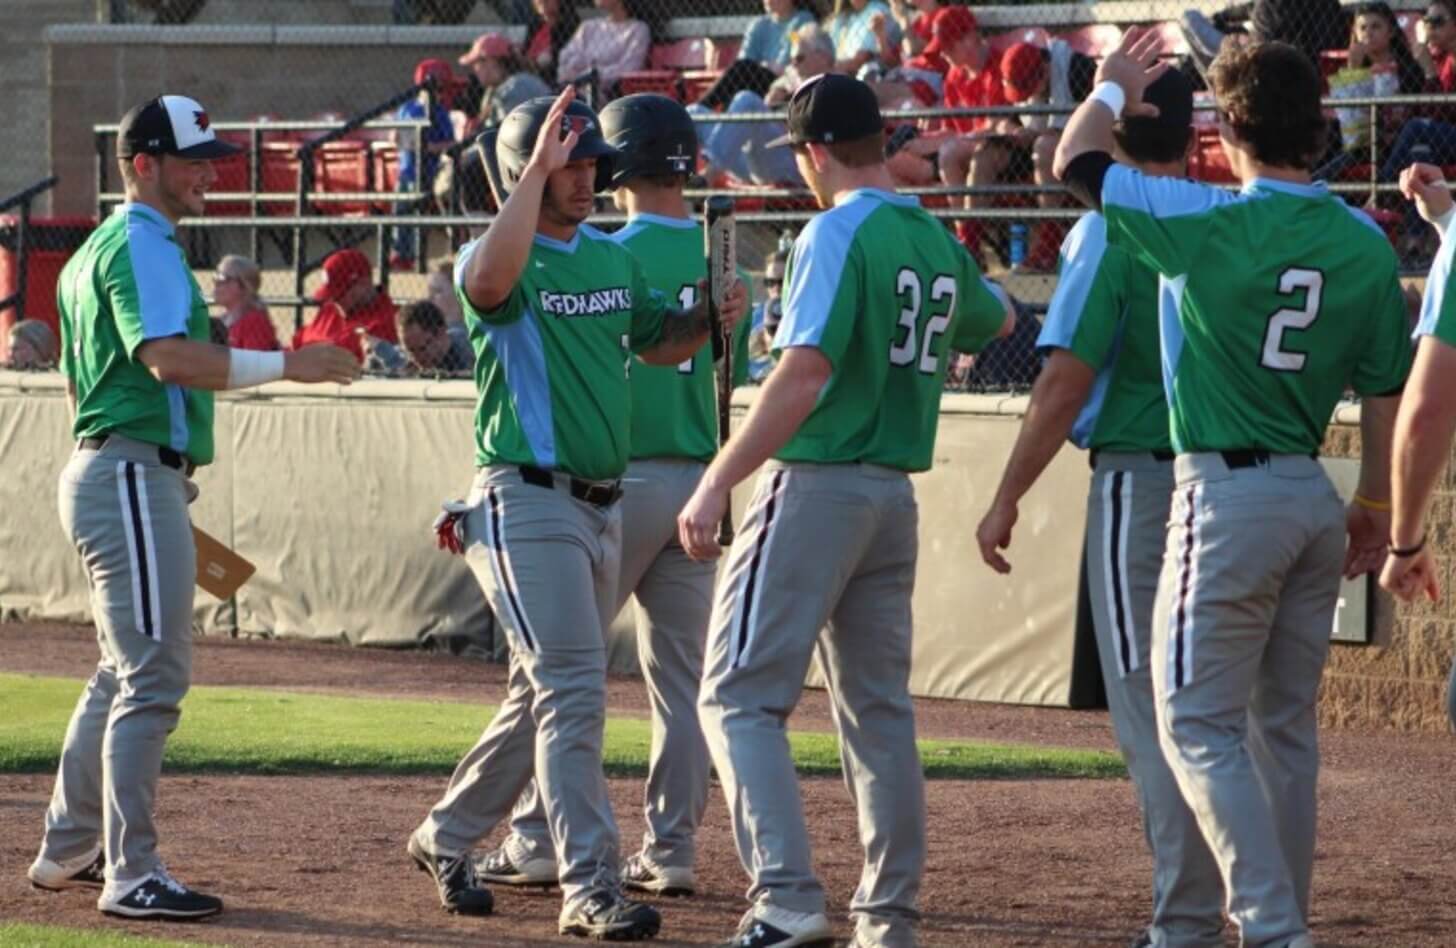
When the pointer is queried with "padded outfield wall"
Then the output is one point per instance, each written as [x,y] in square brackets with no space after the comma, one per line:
[332,493]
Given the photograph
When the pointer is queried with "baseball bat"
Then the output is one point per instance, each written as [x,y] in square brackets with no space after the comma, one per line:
[720,237]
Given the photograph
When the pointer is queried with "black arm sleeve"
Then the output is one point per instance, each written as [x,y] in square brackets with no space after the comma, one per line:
[1084,177]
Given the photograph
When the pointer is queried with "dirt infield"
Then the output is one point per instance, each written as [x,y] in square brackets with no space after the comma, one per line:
[319,860]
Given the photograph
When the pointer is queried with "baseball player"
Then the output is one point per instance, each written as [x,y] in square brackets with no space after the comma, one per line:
[555,311]
[878,293]
[674,435]
[1427,421]
[1276,298]
[1102,386]
[140,373]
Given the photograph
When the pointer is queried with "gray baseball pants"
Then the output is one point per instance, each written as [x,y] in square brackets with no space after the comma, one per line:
[1246,602]
[1127,525]
[825,559]
[548,565]
[674,599]
[126,513]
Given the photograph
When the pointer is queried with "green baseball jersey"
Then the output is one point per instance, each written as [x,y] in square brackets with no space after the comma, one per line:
[1105,313]
[552,361]
[127,284]
[1438,308]
[674,407]
[1279,297]
[884,291]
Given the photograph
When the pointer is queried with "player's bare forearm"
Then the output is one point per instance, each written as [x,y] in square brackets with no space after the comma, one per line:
[496,266]
[187,362]
[1088,130]
[1377,429]
[786,401]
[683,333]
[1059,394]
[1422,442]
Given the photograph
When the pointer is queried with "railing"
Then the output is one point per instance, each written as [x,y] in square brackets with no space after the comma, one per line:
[23,200]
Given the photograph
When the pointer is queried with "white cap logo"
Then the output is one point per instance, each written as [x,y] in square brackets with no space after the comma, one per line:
[190,124]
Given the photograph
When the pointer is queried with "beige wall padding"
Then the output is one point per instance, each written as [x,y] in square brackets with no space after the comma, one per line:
[331,495]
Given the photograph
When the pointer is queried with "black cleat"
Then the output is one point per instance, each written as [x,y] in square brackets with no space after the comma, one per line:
[454,878]
[87,872]
[604,914]
[157,896]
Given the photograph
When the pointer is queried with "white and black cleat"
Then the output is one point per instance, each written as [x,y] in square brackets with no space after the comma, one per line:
[157,896]
[644,875]
[606,915]
[768,926]
[454,877]
[83,872]
[499,867]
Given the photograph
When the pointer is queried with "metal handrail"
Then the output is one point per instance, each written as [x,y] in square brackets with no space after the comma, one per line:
[23,199]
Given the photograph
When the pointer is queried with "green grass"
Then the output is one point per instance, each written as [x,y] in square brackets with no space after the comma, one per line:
[49,936]
[236,730]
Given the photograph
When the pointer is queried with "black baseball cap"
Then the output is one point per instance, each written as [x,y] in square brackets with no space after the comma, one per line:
[831,108]
[170,125]
[1172,93]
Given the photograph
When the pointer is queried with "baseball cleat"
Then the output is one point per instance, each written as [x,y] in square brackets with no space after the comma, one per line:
[768,926]
[606,915]
[497,866]
[83,872]
[454,878]
[156,896]
[644,875]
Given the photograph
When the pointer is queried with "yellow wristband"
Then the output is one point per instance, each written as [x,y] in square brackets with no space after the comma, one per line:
[1379,506]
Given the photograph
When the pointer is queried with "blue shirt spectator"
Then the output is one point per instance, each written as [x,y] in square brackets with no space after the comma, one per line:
[769,37]
[441,131]
[851,26]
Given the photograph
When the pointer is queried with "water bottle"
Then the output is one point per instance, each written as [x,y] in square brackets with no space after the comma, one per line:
[1018,243]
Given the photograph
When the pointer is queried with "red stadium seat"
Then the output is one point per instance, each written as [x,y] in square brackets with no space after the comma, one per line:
[1096,40]
[661,81]
[721,52]
[683,54]
[1034,35]
[342,168]
[279,162]
[385,158]
[697,82]
[232,175]
[1208,162]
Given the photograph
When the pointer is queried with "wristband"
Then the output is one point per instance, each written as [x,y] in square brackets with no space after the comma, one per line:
[1409,551]
[1379,506]
[247,368]
[1443,223]
[1111,95]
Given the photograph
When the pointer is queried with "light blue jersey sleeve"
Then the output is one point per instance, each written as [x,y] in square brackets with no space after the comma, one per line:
[1158,219]
[150,287]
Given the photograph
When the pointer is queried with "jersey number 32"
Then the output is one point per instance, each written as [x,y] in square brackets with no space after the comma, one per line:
[914,345]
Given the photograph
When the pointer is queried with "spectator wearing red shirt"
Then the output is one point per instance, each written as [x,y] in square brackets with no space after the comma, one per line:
[917,23]
[235,288]
[352,306]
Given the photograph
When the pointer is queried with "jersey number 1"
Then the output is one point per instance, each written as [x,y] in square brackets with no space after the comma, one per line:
[909,288]
[1291,281]
[687,298]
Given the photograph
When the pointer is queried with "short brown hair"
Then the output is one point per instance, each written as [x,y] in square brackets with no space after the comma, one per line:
[422,313]
[860,153]
[1269,94]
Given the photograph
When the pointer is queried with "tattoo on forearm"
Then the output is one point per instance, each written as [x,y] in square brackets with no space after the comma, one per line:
[684,325]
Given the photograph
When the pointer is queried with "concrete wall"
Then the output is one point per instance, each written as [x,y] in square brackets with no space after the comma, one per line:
[25,107]
[1398,682]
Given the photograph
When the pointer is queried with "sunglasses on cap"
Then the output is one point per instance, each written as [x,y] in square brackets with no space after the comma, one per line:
[1436,20]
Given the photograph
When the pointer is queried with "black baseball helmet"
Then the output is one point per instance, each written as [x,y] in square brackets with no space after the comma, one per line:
[653,134]
[506,148]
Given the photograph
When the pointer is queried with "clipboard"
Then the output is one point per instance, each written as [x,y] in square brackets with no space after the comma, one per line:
[220,571]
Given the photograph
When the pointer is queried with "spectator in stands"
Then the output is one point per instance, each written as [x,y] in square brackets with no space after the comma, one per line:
[503,77]
[1431,139]
[1311,25]
[414,171]
[917,23]
[973,79]
[766,317]
[1032,75]
[612,44]
[764,55]
[440,288]
[741,148]
[235,288]
[551,26]
[862,31]
[1379,44]
[32,345]
[426,346]
[352,306]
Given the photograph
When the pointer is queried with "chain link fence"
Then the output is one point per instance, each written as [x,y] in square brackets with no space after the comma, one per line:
[974,98]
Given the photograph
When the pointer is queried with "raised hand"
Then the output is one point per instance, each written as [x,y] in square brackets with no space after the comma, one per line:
[1426,185]
[553,148]
[1134,66]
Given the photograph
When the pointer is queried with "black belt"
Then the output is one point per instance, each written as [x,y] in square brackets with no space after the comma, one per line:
[1250,457]
[596,493]
[1160,456]
[167,456]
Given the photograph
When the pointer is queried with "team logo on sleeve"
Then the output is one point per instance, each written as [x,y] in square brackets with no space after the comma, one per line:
[591,303]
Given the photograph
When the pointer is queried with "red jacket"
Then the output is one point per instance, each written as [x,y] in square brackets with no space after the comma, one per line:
[253,330]
[332,325]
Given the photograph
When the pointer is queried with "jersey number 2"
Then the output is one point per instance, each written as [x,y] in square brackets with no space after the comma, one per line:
[909,288]
[1291,281]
